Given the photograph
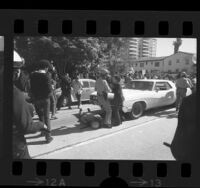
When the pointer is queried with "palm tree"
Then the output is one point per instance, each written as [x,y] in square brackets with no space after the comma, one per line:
[177,44]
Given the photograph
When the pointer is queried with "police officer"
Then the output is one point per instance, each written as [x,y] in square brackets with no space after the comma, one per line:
[103,89]
[22,117]
[182,84]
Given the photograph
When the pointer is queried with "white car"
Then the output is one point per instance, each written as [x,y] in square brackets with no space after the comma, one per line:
[88,88]
[147,94]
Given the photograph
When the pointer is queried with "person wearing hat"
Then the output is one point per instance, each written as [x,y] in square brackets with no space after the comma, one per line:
[102,88]
[182,84]
[41,90]
[22,118]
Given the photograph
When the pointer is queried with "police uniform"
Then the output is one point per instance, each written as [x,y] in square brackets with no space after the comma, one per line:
[181,89]
[102,89]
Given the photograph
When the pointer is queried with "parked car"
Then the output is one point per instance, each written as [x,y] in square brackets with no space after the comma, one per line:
[146,94]
[88,88]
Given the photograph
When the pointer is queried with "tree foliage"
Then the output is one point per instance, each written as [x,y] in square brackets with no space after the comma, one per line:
[73,54]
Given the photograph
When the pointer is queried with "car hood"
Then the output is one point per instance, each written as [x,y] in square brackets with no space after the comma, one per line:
[130,93]
[133,93]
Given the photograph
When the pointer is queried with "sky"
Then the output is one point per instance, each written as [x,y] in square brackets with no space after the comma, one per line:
[165,46]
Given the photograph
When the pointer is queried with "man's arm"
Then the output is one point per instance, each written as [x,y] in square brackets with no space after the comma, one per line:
[107,87]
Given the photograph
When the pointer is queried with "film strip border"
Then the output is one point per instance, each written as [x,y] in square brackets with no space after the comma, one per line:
[99,23]
[104,23]
[101,173]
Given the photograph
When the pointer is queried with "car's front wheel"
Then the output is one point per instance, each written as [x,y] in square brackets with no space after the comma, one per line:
[137,110]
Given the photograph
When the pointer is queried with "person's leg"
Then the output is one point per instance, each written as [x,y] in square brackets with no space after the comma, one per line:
[54,94]
[60,101]
[182,95]
[122,114]
[25,154]
[69,100]
[46,104]
[51,103]
[78,96]
[117,116]
[108,110]
[39,110]
[53,106]
[177,99]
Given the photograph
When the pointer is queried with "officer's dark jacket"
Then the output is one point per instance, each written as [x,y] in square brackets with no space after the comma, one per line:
[40,85]
[186,141]
[118,96]
[22,118]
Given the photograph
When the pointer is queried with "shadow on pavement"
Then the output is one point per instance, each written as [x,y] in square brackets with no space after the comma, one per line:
[41,142]
[161,112]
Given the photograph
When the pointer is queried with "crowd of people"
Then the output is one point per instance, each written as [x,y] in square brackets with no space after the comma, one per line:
[37,93]
[41,86]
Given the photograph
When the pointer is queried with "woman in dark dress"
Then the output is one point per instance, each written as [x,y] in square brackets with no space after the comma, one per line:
[117,101]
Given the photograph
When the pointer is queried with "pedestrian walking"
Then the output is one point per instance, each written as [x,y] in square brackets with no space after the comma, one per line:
[66,85]
[41,90]
[77,89]
[22,119]
[102,88]
[117,102]
[182,84]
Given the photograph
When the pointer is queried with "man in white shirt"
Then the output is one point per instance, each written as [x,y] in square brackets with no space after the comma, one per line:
[103,89]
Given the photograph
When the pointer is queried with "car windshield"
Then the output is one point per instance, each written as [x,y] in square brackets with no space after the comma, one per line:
[141,85]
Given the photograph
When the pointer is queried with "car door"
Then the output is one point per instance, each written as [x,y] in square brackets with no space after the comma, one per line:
[159,94]
[86,88]
[164,94]
[170,96]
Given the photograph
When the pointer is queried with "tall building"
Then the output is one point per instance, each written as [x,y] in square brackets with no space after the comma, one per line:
[142,47]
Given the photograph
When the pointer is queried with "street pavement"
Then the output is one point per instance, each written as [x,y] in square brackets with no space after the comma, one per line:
[140,139]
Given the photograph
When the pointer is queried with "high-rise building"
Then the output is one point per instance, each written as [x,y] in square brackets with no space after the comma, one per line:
[142,47]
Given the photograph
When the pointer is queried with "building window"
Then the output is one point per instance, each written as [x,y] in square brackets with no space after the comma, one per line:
[177,61]
[170,62]
[157,64]
[187,61]
[141,64]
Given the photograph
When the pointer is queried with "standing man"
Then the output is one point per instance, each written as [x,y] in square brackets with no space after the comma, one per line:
[117,101]
[66,91]
[181,88]
[103,89]
[22,118]
[41,90]
[77,88]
